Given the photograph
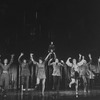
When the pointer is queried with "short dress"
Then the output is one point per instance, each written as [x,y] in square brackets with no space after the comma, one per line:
[41,71]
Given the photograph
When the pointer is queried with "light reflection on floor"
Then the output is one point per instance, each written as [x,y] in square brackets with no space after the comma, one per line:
[50,95]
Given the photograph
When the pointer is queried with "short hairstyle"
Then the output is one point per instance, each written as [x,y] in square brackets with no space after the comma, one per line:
[41,59]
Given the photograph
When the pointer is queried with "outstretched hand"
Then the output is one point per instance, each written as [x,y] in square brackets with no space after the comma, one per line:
[62,61]
[22,54]
[80,55]
[89,56]
[69,58]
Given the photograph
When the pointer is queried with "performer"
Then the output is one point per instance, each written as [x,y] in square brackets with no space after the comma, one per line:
[75,73]
[56,73]
[99,61]
[66,73]
[5,74]
[51,47]
[88,66]
[25,72]
[90,73]
[40,71]
[52,50]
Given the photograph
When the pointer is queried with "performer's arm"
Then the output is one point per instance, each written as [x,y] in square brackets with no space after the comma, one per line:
[31,56]
[54,55]
[61,63]
[68,62]
[90,59]
[20,58]
[11,61]
[1,63]
[80,56]
[49,62]
[81,62]
[90,56]
[47,56]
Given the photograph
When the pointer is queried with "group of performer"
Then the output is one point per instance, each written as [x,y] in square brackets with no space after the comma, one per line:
[50,60]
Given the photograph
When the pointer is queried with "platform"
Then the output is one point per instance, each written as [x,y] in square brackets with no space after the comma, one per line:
[50,95]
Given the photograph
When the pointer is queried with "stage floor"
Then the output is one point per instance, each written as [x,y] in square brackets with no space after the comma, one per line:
[50,95]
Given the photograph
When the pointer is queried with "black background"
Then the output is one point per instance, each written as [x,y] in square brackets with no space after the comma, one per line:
[73,25]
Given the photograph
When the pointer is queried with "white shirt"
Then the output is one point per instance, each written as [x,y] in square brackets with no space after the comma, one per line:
[75,66]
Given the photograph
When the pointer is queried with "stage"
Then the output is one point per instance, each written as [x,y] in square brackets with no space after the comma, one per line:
[49,95]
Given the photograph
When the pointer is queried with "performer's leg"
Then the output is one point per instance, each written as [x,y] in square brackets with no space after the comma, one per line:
[84,83]
[43,86]
[54,82]
[1,81]
[76,86]
[58,83]
[22,82]
[72,82]
[27,83]
[6,82]
[37,83]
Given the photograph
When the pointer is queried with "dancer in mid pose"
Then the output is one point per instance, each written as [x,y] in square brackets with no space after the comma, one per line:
[25,72]
[5,74]
[56,73]
[40,71]
[51,47]
[75,71]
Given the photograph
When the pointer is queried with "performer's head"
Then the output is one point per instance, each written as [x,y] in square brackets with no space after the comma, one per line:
[56,60]
[40,60]
[51,42]
[5,61]
[74,61]
[24,61]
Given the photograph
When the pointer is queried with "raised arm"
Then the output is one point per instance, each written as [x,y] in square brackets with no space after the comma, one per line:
[90,56]
[80,56]
[60,63]
[31,57]
[47,56]
[1,63]
[49,62]
[54,55]
[63,63]
[11,61]
[68,62]
[90,59]
[20,58]
[81,62]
